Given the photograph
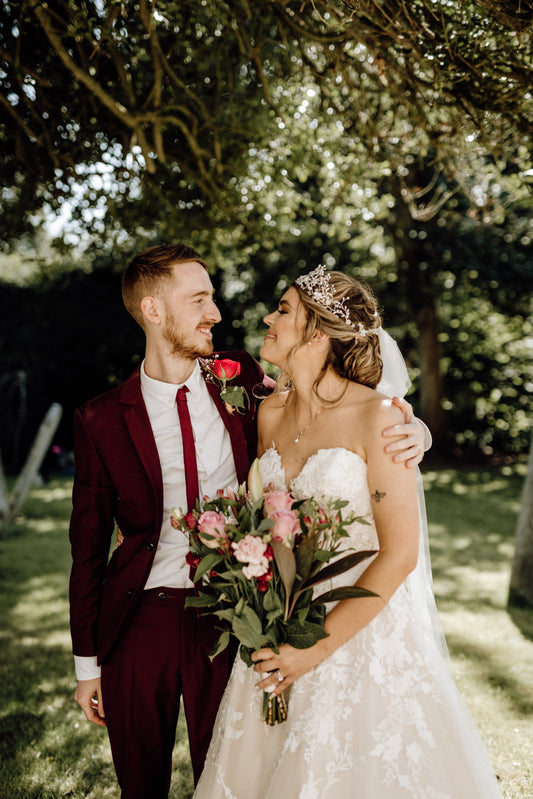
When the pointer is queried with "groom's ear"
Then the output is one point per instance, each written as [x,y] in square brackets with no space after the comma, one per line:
[151,310]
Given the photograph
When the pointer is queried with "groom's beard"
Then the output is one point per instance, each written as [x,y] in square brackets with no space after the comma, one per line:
[186,345]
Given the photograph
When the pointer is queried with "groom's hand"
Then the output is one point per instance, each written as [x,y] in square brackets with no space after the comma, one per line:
[410,448]
[88,695]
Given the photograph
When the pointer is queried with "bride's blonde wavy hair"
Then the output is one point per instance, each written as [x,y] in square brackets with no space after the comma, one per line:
[354,352]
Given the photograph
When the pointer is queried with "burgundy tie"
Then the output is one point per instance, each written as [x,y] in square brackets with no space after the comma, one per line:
[189,452]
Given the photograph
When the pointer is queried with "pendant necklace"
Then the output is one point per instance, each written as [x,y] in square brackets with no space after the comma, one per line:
[301,432]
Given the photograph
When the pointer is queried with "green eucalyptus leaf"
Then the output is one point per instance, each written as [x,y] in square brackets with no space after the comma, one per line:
[264,525]
[247,628]
[272,601]
[227,614]
[233,395]
[220,645]
[302,636]
[245,652]
[305,556]
[207,563]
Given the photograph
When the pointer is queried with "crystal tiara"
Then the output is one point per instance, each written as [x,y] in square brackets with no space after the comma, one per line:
[317,286]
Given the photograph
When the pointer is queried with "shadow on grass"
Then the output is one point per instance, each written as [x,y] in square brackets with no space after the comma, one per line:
[489,671]
[17,730]
[472,517]
[522,618]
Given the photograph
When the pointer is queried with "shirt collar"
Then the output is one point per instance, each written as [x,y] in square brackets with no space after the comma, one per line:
[166,392]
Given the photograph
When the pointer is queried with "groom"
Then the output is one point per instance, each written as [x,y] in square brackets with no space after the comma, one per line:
[141,449]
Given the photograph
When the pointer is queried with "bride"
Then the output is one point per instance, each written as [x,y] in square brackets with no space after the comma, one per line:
[373,712]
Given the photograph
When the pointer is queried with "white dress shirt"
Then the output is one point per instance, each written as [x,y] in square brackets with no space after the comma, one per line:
[216,469]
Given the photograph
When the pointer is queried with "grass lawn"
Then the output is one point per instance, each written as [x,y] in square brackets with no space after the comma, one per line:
[48,750]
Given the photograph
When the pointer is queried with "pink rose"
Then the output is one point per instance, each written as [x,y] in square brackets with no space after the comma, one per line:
[212,524]
[250,549]
[276,500]
[285,526]
[225,369]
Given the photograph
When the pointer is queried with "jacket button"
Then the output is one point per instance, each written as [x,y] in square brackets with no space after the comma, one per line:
[131,592]
[150,546]
[161,595]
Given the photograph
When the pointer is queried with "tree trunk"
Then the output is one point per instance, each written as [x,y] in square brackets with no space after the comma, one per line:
[33,461]
[431,389]
[521,586]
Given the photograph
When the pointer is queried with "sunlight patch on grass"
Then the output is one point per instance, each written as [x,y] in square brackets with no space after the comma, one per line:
[43,525]
[466,587]
[54,493]
[43,599]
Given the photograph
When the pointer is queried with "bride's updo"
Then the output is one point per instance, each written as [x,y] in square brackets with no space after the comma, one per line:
[351,324]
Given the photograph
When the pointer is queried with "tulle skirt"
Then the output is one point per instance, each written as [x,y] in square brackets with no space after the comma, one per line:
[381,718]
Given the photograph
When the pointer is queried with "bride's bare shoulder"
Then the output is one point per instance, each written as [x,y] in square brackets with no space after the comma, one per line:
[273,404]
[377,407]
[370,411]
[269,417]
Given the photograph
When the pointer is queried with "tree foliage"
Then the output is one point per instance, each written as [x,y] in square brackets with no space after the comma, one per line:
[165,96]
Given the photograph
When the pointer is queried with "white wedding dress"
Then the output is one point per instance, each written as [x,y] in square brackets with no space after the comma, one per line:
[380,718]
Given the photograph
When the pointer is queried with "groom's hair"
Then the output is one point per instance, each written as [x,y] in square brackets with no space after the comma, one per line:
[149,269]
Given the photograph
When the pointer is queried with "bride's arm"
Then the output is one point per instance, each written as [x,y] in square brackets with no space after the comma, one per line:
[394,505]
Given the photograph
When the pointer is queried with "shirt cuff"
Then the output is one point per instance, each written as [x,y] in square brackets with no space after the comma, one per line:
[86,668]
[428,441]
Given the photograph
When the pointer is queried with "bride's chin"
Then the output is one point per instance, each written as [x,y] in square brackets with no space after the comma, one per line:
[266,357]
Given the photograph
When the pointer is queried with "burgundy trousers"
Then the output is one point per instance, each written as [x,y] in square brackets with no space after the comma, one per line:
[162,655]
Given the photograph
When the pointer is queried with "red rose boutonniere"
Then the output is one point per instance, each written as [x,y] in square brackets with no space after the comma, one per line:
[221,371]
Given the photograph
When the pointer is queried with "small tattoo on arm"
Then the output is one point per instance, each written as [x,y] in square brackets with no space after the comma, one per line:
[377,496]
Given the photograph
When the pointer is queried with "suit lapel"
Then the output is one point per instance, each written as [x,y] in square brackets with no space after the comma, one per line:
[234,427]
[139,428]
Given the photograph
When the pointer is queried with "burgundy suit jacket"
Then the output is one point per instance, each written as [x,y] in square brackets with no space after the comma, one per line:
[118,479]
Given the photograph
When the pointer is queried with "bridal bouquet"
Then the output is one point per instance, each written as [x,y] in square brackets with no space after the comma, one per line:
[259,554]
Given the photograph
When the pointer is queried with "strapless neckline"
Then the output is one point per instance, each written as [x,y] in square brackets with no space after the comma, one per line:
[309,461]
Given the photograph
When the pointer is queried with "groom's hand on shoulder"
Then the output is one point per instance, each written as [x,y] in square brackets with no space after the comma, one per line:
[415,437]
